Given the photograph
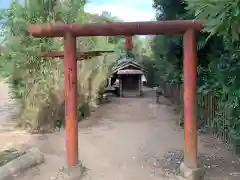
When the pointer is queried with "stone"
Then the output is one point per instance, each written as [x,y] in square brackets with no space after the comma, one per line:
[31,158]
[72,173]
[190,173]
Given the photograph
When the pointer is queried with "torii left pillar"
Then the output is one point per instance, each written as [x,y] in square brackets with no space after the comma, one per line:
[70,85]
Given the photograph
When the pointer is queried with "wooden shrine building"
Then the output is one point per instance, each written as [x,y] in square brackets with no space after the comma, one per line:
[128,74]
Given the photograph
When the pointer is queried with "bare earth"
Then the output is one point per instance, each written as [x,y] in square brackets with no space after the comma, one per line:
[128,139]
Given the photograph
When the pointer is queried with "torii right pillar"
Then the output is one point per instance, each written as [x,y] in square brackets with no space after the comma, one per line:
[189,167]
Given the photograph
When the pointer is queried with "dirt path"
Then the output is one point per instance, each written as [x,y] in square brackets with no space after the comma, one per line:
[131,139]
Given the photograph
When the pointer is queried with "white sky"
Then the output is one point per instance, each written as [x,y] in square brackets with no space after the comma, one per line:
[127,10]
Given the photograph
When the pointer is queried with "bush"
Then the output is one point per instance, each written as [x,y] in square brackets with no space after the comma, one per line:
[38,82]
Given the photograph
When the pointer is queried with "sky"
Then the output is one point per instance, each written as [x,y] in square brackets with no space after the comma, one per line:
[126,10]
[4,3]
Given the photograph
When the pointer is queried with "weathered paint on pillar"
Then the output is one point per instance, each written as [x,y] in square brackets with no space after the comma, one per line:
[70,86]
[128,43]
[190,74]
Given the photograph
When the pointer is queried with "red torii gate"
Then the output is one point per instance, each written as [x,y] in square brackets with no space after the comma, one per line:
[187,28]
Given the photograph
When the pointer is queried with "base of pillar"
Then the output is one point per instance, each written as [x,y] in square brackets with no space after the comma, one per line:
[73,172]
[190,173]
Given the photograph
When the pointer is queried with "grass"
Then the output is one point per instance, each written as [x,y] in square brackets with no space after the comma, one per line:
[43,102]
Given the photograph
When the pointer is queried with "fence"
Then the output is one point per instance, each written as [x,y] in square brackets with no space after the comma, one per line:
[212,114]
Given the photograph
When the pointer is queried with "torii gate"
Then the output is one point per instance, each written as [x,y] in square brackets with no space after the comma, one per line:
[187,28]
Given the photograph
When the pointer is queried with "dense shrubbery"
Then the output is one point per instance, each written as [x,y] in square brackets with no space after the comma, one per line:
[38,82]
[218,55]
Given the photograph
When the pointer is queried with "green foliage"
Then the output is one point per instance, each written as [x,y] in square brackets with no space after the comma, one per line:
[222,17]
[168,50]
[38,82]
[218,56]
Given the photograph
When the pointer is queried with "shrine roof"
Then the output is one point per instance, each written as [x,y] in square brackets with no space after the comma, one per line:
[125,62]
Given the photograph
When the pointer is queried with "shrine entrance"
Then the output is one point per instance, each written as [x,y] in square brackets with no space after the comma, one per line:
[187,28]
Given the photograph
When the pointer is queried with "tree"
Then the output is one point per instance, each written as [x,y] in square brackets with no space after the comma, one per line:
[222,17]
[218,55]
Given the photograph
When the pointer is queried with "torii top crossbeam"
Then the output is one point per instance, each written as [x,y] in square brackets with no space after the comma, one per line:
[116,28]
